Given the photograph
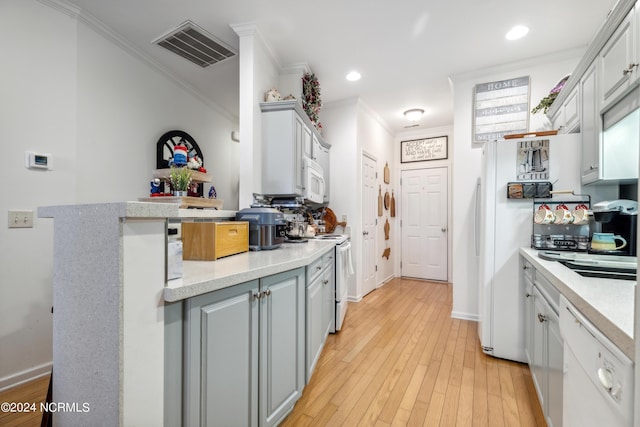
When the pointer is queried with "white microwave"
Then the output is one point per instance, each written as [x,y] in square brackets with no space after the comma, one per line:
[314,186]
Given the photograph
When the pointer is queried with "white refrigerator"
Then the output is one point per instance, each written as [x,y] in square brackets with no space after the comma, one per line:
[503,226]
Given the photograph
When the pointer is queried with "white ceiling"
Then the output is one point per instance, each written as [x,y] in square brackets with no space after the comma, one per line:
[405,50]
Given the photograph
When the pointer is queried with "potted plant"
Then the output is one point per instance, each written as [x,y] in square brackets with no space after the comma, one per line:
[180,179]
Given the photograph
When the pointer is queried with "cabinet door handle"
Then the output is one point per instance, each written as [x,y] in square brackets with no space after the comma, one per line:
[324,282]
[629,69]
[542,318]
[257,295]
[267,292]
[319,268]
[527,295]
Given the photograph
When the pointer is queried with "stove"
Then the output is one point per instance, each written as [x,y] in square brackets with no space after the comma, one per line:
[338,238]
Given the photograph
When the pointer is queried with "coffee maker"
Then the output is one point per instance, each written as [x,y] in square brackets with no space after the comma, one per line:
[619,217]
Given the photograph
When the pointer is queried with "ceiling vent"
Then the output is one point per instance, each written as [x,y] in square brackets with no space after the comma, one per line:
[195,44]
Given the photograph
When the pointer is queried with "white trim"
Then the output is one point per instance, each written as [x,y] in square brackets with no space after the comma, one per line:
[464,316]
[25,376]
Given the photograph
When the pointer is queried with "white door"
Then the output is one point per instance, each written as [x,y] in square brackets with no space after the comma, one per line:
[369,217]
[424,223]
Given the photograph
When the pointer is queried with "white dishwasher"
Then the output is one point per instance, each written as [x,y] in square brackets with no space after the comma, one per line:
[598,377]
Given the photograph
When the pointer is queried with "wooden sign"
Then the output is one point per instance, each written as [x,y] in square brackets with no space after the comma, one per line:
[500,108]
[419,150]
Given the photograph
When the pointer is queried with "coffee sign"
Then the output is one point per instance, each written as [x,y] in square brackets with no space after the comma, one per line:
[419,150]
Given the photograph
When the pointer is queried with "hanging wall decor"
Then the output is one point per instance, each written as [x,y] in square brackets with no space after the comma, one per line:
[420,150]
[500,108]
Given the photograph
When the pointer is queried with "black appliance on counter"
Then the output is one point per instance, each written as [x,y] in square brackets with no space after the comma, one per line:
[267,227]
[619,217]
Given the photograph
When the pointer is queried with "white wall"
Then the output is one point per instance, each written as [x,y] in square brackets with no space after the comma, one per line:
[353,128]
[466,158]
[99,109]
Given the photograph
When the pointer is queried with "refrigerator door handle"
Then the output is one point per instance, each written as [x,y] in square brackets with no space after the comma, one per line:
[476,224]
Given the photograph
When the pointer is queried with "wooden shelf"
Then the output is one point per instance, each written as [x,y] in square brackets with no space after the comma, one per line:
[196,176]
[186,202]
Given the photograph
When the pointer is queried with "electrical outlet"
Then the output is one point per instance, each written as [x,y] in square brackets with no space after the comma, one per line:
[20,219]
[344,217]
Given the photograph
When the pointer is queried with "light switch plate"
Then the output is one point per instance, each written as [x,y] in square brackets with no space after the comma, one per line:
[20,219]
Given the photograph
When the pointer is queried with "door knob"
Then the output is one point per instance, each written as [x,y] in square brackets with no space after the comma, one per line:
[443,229]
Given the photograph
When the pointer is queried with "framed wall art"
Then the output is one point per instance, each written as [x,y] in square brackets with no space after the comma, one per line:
[500,108]
[420,150]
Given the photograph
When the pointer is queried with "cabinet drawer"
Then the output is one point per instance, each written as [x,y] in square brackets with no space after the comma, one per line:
[550,293]
[314,269]
[328,258]
[208,241]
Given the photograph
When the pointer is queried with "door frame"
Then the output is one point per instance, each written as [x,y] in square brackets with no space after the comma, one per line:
[364,153]
[398,240]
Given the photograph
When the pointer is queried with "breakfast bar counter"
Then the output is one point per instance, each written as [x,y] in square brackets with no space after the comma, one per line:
[110,294]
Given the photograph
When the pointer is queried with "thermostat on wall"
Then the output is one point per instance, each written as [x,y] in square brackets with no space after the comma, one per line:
[34,160]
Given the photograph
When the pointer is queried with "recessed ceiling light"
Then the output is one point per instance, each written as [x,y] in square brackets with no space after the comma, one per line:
[353,76]
[517,32]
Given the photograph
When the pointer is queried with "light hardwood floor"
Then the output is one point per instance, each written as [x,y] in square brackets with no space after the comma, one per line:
[399,361]
[402,361]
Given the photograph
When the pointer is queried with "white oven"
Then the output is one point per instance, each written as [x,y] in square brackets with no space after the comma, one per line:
[314,186]
[344,276]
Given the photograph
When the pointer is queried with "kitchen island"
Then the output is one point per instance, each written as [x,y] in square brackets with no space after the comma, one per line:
[110,296]
[607,303]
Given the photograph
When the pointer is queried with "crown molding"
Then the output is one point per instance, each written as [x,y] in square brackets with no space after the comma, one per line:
[105,31]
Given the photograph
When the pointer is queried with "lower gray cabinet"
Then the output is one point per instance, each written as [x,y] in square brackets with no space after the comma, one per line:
[320,307]
[244,352]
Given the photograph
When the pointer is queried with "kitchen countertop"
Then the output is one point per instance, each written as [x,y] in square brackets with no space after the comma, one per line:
[607,303]
[199,277]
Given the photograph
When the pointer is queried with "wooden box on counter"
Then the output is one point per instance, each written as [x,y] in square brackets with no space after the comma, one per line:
[208,241]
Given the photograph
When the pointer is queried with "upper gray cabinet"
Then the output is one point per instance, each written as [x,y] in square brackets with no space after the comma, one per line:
[618,61]
[590,126]
[288,138]
[602,86]
[567,118]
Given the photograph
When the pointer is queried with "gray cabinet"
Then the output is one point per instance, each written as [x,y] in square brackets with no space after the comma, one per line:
[527,280]
[221,357]
[288,137]
[244,352]
[282,356]
[283,140]
[543,343]
[567,118]
[618,62]
[590,126]
[320,307]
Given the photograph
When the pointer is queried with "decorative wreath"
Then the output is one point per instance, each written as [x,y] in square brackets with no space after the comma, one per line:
[311,101]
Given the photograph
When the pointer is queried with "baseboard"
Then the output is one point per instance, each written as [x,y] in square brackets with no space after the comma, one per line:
[465,316]
[25,376]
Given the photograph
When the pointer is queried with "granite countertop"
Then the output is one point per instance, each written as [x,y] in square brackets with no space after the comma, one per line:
[607,303]
[200,277]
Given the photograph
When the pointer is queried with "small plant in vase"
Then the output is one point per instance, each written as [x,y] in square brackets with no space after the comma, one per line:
[180,179]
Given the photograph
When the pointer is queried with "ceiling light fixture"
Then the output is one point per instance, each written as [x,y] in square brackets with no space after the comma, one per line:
[414,114]
[353,76]
[517,32]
